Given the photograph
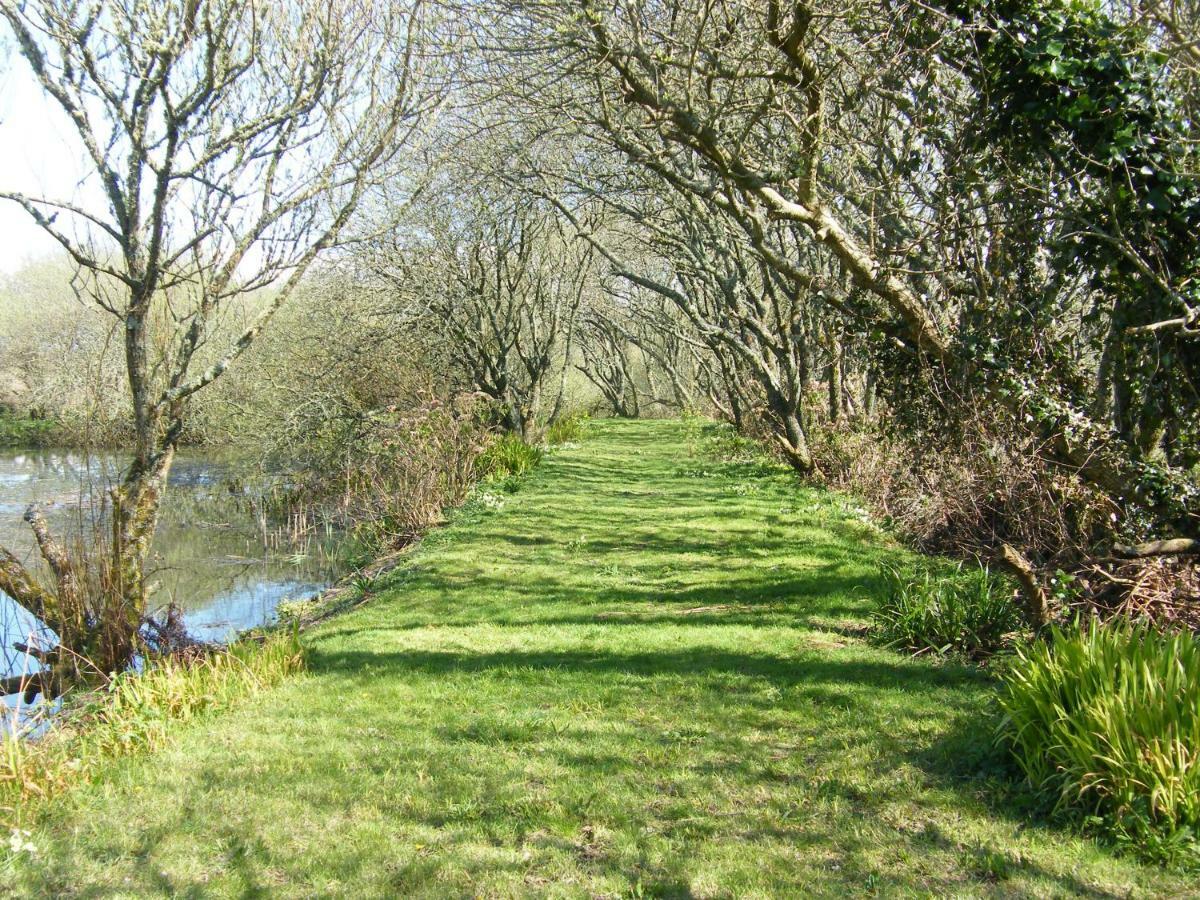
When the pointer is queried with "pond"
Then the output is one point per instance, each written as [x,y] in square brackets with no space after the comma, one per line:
[226,567]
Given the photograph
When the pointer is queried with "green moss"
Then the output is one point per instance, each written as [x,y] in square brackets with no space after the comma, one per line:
[644,673]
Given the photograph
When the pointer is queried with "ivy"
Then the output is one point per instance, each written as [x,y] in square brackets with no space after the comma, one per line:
[1065,87]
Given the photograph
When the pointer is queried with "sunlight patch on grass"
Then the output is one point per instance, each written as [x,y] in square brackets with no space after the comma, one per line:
[627,681]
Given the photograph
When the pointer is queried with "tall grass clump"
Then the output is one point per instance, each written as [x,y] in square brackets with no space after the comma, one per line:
[567,430]
[137,711]
[507,456]
[945,609]
[1104,721]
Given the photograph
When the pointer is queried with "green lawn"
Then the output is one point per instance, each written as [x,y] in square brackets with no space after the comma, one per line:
[644,675]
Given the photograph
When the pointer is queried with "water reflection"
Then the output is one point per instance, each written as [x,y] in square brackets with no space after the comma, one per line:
[225,566]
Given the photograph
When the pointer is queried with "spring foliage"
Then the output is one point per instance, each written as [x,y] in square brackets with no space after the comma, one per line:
[967,611]
[1104,721]
[507,456]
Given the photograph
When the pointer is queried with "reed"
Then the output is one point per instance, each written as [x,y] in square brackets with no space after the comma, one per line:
[136,711]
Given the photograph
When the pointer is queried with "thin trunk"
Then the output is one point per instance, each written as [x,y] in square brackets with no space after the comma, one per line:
[835,378]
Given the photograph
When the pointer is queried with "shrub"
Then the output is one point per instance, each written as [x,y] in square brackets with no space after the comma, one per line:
[945,609]
[507,456]
[567,430]
[22,432]
[1104,721]
[386,475]
[727,444]
[985,487]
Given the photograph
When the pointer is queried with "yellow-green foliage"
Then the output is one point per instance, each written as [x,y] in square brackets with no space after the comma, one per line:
[568,430]
[23,432]
[506,457]
[137,711]
[1105,720]
[932,608]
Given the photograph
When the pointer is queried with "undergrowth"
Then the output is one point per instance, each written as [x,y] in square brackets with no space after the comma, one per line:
[1104,721]
[507,456]
[22,432]
[980,490]
[938,608]
[567,430]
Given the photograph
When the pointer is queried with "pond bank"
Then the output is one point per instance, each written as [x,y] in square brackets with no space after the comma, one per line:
[215,556]
[223,563]
[640,672]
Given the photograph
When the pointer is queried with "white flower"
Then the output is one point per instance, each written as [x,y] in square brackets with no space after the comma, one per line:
[18,842]
[491,501]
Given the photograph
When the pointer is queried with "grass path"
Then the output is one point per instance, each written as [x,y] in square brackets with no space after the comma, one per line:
[641,676]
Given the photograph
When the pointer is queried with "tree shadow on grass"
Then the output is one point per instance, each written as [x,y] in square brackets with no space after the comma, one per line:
[810,598]
[815,671]
[548,679]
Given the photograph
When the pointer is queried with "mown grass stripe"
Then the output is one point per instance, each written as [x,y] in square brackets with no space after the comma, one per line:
[642,673]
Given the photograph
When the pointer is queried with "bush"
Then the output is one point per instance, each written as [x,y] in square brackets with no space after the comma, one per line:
[1104,721]
[22,432]
[567,430]
[944,609]
[386,475]
[985,487]
[505,457]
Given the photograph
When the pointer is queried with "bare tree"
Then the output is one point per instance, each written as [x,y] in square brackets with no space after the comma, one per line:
[606,354]
[742,310]
[773,114]
[501,282]
[228,145]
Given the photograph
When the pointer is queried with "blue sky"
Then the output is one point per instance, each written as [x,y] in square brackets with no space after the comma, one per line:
[37,156]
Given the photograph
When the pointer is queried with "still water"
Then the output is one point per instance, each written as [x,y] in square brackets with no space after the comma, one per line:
[220,562]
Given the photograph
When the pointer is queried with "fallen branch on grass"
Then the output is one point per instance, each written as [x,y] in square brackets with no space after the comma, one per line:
[1037,605]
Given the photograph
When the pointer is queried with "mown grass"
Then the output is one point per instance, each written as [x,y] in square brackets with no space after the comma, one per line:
[134,712]
[645,673]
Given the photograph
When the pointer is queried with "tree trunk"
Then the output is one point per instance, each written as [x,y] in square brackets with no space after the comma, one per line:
[835,378]
[791,433]
[1037,604]
[136,506]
